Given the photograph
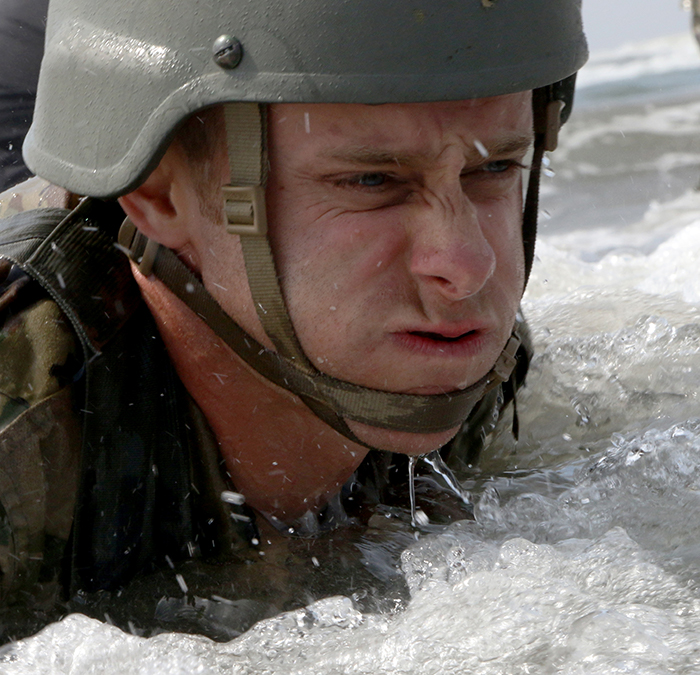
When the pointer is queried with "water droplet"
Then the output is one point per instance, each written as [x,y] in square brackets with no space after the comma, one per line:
[181,583]
[232,498]
[412,488]
[481,148]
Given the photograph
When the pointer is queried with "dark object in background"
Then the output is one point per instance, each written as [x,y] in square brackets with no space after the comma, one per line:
[22,26]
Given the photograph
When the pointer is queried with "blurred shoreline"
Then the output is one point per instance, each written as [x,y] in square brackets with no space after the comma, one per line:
[633,139]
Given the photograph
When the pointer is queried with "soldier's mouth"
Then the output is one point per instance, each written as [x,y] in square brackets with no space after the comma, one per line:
[439,337]
[443,344]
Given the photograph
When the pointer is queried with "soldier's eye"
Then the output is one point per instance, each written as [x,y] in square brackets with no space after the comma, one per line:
[371,179]
[499,166]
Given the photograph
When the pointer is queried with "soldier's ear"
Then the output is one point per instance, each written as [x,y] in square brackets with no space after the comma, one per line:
[160,208]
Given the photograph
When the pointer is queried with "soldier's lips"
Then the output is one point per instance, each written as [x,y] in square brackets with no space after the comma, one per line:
[445,343]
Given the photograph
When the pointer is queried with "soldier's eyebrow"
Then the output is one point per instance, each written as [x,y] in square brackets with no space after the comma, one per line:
[363,155]
[369,156]
[507,146]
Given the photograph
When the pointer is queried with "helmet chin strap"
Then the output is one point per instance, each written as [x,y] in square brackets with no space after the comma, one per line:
[332,400]
[246,128]
[547,115]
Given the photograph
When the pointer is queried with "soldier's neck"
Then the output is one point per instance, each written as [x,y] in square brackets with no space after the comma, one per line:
[280,456]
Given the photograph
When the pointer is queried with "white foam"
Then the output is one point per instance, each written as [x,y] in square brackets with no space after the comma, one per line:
[660,55]
[585,563]
[580,605]
[584,556]
[628,248]
[670,120]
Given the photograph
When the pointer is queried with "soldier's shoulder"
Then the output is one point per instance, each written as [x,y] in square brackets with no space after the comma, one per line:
[35,193]
[38,349]
[40,358]
[35,338]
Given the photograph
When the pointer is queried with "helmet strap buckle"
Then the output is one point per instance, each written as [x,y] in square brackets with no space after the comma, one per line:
[245,210]
[138,247]
[552,124]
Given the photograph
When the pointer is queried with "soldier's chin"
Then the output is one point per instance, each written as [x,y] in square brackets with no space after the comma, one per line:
[404,442]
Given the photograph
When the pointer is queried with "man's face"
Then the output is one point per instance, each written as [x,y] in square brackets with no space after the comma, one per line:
[396,230]
[398,242]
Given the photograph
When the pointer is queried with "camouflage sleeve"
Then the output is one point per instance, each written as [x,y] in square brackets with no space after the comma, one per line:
[36,343]
[39,432]
[35,193]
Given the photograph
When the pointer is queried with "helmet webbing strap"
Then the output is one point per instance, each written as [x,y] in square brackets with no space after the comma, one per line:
[547,115]
[331,399]
[244,203]
[530,211]
[246,127]
[400,412]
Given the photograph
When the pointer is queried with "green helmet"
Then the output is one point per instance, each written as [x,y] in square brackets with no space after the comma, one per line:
[120,76]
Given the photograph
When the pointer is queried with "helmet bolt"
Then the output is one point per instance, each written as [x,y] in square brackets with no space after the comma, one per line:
[228,52]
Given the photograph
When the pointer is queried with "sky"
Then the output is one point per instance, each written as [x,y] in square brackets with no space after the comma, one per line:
[610,23]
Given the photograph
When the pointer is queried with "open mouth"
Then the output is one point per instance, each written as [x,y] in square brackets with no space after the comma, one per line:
[447,349]
[442,338]
[446,343]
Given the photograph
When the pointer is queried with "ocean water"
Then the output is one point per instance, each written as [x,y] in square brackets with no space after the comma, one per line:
[583,556]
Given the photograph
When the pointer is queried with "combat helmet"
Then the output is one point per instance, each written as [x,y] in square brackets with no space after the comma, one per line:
[120,76]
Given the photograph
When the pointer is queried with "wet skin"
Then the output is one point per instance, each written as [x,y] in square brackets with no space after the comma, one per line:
[400,255]
[399,243]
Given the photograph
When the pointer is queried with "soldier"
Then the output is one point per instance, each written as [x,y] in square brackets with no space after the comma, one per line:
[312,270]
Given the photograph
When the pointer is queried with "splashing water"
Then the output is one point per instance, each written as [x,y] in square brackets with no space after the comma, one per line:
[412,489]
[587,579]
[440,474]
[582,556]
[435,461]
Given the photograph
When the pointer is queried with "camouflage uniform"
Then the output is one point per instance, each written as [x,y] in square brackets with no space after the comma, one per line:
[58,463]
[83,376]
[37,425]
